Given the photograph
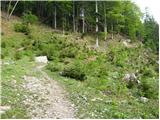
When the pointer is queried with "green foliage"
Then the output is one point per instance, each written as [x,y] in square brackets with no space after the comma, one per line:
[149,88]
[74,71]
[29,18]
[53,67]
[151,32]
[20,27]
[11,95]
[3,44]
[18,55]
[48,50]
[2,33]
[103,92]
[102,35]
[69,52]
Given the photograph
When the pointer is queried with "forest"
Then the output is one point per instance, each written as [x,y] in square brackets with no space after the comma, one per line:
[78,59]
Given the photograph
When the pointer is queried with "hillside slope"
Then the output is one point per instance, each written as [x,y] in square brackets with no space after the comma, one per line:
[117,80]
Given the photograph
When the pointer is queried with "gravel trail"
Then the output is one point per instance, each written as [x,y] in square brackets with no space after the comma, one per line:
[48,99]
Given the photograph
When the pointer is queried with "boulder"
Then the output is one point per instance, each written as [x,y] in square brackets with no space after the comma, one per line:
[131,77]
[41,59]
[143,99]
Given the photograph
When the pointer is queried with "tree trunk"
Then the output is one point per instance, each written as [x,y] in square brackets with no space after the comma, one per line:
[112,30]
[105,24]
[83,25]
[77,21]
[9,9]
[83,20]
[97,44]
[73,17]
[13,9]
[55,20]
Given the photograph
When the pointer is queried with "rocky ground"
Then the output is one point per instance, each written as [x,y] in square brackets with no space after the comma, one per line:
[48,99]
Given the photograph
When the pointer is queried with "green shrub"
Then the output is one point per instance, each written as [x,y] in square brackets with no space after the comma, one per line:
[19,27]
[69,52]
[150,88]
[28,17]
[48,50]
[2,33]
[3,44]
[101,35]
[52,67]
[75,72]
[26,43]
[4,53]
[17,55]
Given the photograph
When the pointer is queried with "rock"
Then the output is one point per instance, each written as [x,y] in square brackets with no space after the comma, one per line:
[13,76]
[95,99]
[8,62]
[143,99]
[24,77]
[41,59]
[108,101]
[125,43]
[157,62]
[138,82]
[3,109]
[128,40]
[130,77]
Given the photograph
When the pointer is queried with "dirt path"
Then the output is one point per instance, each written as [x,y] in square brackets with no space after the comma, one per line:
[49,99]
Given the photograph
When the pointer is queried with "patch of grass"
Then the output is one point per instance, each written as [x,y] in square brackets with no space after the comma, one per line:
[12,93]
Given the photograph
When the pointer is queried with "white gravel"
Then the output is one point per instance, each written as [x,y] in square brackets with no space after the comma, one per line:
[49,99]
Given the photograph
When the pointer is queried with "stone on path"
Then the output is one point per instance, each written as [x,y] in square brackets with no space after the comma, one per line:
[41,59]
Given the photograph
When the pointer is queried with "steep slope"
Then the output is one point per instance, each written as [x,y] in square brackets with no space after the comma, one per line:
[117,80]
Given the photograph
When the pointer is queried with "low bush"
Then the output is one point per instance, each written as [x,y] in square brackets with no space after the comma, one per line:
[3,44]
[52,67]
[2,33]
[149,87]
[69,52]
[26,43]
[18,55]
[75,72]
[102,35]
[29,18]
[19,27]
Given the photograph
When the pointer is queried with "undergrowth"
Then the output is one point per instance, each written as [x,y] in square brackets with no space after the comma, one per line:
[93,78]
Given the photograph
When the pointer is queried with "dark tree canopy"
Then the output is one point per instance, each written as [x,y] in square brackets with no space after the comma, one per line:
[122,17]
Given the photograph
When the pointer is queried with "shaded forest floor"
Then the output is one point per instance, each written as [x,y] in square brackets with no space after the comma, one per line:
[94,78]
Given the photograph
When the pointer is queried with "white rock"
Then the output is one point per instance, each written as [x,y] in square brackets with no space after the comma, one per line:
[3,109]
[138,82]
[125,43]
[128,40]
[41,59]
[130,77]
[143,99]
[127,77]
